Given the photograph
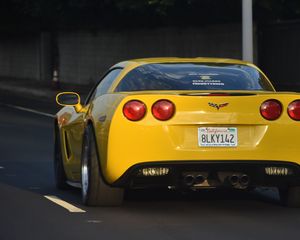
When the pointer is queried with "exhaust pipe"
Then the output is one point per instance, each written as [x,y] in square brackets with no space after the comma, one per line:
[189,180]
[199,179]
[244,180]
[234,179]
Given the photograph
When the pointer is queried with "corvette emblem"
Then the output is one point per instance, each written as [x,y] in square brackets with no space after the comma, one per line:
[217,106]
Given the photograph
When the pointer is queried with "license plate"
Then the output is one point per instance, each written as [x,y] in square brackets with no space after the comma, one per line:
[217,137]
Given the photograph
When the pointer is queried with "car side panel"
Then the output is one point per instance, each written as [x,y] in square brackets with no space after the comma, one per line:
[71,126]
[100,115]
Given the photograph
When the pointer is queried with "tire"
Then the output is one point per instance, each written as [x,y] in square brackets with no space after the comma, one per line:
[95,192]
[59,171]
[290,196]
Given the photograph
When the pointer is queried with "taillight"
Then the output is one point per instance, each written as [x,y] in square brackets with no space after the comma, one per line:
[294,110]
[163,110]
[134,110]
[271,109]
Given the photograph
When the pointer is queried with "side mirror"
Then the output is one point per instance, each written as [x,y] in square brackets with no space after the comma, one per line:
[69,99]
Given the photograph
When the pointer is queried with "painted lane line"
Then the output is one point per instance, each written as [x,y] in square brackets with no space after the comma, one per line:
[94,221]
[29,110]
[1,167]
[10,175]
[64,204]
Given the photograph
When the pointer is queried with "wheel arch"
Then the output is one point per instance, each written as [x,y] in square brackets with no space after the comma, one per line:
[90,123]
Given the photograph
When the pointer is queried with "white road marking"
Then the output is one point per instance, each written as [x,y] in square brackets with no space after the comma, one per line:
[64,204]
[10,175]
[29,110]
[1,167]
[94,221]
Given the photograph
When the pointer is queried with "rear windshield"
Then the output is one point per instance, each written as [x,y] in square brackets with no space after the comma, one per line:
[192,76]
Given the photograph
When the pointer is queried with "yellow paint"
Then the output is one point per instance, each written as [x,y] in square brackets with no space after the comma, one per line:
[123,143]
[150,140]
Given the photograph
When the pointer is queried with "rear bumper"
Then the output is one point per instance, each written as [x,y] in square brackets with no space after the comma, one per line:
[133,178]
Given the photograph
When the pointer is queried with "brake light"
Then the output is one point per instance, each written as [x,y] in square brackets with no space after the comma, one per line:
[163,110]
[134,110]
[294,110]
[271,109]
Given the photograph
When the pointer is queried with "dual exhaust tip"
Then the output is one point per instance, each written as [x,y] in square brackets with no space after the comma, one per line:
[190,180]
[235,179]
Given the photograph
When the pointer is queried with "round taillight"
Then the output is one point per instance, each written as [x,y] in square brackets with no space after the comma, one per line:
[271,109]
[134,110]
[294,110]
[163,110]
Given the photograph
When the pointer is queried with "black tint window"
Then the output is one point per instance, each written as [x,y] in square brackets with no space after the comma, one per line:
[106,82]
[190,76]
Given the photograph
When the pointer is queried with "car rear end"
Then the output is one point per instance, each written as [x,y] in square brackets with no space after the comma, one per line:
[190,139]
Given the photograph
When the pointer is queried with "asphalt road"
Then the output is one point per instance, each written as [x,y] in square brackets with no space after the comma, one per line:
[26,176]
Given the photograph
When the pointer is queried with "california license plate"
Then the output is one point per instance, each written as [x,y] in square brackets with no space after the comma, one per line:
[217,137]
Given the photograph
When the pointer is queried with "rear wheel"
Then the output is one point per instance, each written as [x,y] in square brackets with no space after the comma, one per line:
[95,192]
[59,171]
[290,196]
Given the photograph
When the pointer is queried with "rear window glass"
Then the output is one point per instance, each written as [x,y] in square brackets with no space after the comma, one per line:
[191,76]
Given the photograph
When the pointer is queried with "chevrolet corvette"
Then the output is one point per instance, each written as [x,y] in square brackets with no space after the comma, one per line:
[178,123]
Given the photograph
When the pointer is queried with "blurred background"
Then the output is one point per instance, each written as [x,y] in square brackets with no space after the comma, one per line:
[50,45]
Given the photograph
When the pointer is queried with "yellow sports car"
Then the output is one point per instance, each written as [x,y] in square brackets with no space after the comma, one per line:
[178,123]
